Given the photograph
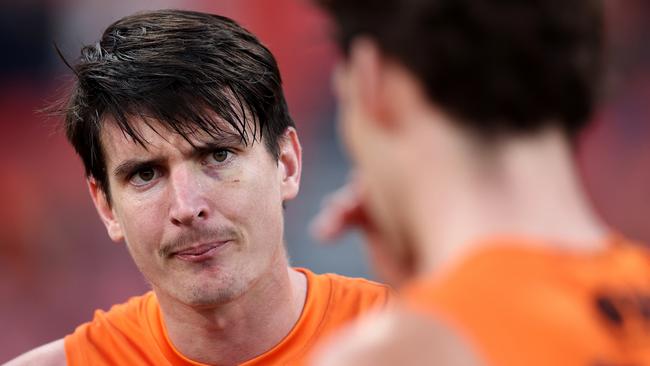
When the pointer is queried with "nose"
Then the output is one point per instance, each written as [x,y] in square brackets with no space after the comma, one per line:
[188,199]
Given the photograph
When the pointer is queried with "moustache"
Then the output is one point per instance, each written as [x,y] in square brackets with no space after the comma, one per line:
[193,237]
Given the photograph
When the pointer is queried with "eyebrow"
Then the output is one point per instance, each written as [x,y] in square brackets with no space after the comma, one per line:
[207,147]
[225,139]
[125,168]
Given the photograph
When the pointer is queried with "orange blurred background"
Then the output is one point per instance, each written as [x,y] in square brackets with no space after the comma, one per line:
[56,263]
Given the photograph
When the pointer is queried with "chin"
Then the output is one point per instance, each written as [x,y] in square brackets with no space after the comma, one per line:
[212,294]
[207,300]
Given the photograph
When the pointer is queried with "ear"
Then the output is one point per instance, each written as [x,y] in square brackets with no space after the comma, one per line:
[290,163]
[368,72]
[105,211]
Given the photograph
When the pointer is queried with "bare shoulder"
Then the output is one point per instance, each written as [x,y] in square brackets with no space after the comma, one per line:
[396,337]
[51,354]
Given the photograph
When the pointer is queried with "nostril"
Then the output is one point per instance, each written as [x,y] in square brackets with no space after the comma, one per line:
[201,214]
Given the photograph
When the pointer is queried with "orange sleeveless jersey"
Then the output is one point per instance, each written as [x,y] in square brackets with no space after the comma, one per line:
[133,333]
[520,304]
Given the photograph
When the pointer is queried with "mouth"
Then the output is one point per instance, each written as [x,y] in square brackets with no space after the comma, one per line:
[199,253]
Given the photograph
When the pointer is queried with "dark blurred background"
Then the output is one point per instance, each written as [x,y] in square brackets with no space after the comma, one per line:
[57,264]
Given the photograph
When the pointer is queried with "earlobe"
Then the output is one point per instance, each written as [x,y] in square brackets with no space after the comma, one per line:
[290,164]
[105,210]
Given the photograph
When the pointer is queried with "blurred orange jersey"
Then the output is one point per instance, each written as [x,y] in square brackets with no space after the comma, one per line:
[133,333]
[519,303]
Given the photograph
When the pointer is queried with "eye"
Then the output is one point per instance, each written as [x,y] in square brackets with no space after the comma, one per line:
[144,176]
[218,156]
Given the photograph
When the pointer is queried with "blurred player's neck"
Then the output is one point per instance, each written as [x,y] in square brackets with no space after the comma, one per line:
[461,192]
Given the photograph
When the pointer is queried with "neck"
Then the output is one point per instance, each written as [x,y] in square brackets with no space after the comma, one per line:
[221,335]
[525,187]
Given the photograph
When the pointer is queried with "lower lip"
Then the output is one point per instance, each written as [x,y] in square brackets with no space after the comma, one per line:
[208,254]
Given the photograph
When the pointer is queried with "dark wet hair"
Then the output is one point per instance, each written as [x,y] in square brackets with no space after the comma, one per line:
[502,66]
[174,67]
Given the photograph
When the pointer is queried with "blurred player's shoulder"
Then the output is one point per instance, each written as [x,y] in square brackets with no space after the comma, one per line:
[395,337]
[523,267]
[549,300]
[50,354]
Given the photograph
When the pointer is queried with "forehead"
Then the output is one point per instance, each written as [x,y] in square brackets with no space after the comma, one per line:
[151,137]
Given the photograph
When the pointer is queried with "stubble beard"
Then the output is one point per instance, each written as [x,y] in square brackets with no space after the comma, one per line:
[220,291]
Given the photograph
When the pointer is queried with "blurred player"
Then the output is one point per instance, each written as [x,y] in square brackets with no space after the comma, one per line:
[190,153]
[461,117]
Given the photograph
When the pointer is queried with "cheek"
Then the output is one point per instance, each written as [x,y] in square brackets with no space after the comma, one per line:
[249,197]
[382,209]
[261,206]
[142,222]
[356,133]
[256,210]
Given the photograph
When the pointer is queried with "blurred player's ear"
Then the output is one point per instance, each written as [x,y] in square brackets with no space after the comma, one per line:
[370,72]
[290,163]
[387,91]
[105,210]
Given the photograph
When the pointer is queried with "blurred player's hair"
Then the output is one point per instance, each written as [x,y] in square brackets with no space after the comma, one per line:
[501,67]
[174,67]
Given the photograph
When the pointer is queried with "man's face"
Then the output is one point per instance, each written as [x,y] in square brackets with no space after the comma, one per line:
[202,223]
[375,152]
[359,139]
